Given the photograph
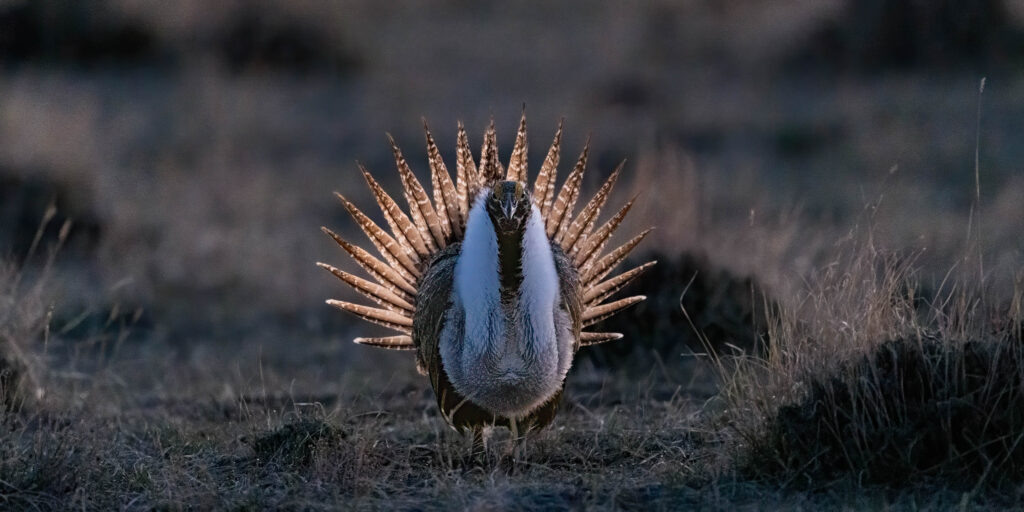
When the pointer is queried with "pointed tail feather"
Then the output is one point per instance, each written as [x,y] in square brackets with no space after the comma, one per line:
[517,170]
[442,209]
[608,262]
[591,248]
[490,166]
[389,319]
[599,292]
[584,222]
[389,342]
[445,194]
[561,210]
[595,314]
[403,229]
[593,338]
[385,244]
[572,186]
[544,187]
[423,214]
[375,292]
[581,165]
[466,174]
[383,273]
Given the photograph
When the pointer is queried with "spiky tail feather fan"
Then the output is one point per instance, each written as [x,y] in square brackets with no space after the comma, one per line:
[433,221]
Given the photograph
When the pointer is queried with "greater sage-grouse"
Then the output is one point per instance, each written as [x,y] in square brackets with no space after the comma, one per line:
[491,283]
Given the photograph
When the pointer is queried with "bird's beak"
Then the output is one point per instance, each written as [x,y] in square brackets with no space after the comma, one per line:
[509,204]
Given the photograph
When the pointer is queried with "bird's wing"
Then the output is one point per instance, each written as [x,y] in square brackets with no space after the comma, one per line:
[434,299]
[569,284]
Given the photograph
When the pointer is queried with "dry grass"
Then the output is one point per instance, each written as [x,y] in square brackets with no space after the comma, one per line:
[25,313]
[833,415]
[869,383]
[183,358]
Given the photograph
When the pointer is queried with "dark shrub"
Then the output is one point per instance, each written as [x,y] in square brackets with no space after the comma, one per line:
[261,41]
[83,34]
[910,409]
[873,35]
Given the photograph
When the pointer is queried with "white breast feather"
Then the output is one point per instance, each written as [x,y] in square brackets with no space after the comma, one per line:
[508,368]
[476,285]
[540,283]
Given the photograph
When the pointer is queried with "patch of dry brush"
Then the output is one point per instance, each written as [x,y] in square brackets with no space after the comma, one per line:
[906,410]
[866,382]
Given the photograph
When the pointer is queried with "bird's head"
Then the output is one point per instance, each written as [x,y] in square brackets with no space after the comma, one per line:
[508,206]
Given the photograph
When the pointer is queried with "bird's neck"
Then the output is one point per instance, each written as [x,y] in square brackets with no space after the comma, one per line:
[510,268]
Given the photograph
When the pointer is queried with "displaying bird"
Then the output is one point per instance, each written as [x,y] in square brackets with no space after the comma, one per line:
[491,283]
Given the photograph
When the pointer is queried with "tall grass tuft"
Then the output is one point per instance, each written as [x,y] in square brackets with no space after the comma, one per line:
[25,319]
[867,380]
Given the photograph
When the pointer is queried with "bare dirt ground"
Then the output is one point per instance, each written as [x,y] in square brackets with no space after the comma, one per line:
[838,214]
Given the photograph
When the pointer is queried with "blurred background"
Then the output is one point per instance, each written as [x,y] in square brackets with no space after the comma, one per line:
[195,145]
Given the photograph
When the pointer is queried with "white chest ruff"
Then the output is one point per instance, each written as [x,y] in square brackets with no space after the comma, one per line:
[509,364]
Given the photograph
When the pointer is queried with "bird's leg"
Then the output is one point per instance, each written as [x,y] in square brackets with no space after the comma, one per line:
[512,452]
[521,446]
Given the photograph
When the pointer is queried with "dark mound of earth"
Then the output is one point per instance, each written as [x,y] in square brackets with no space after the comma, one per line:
[907,410]
[728,314]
